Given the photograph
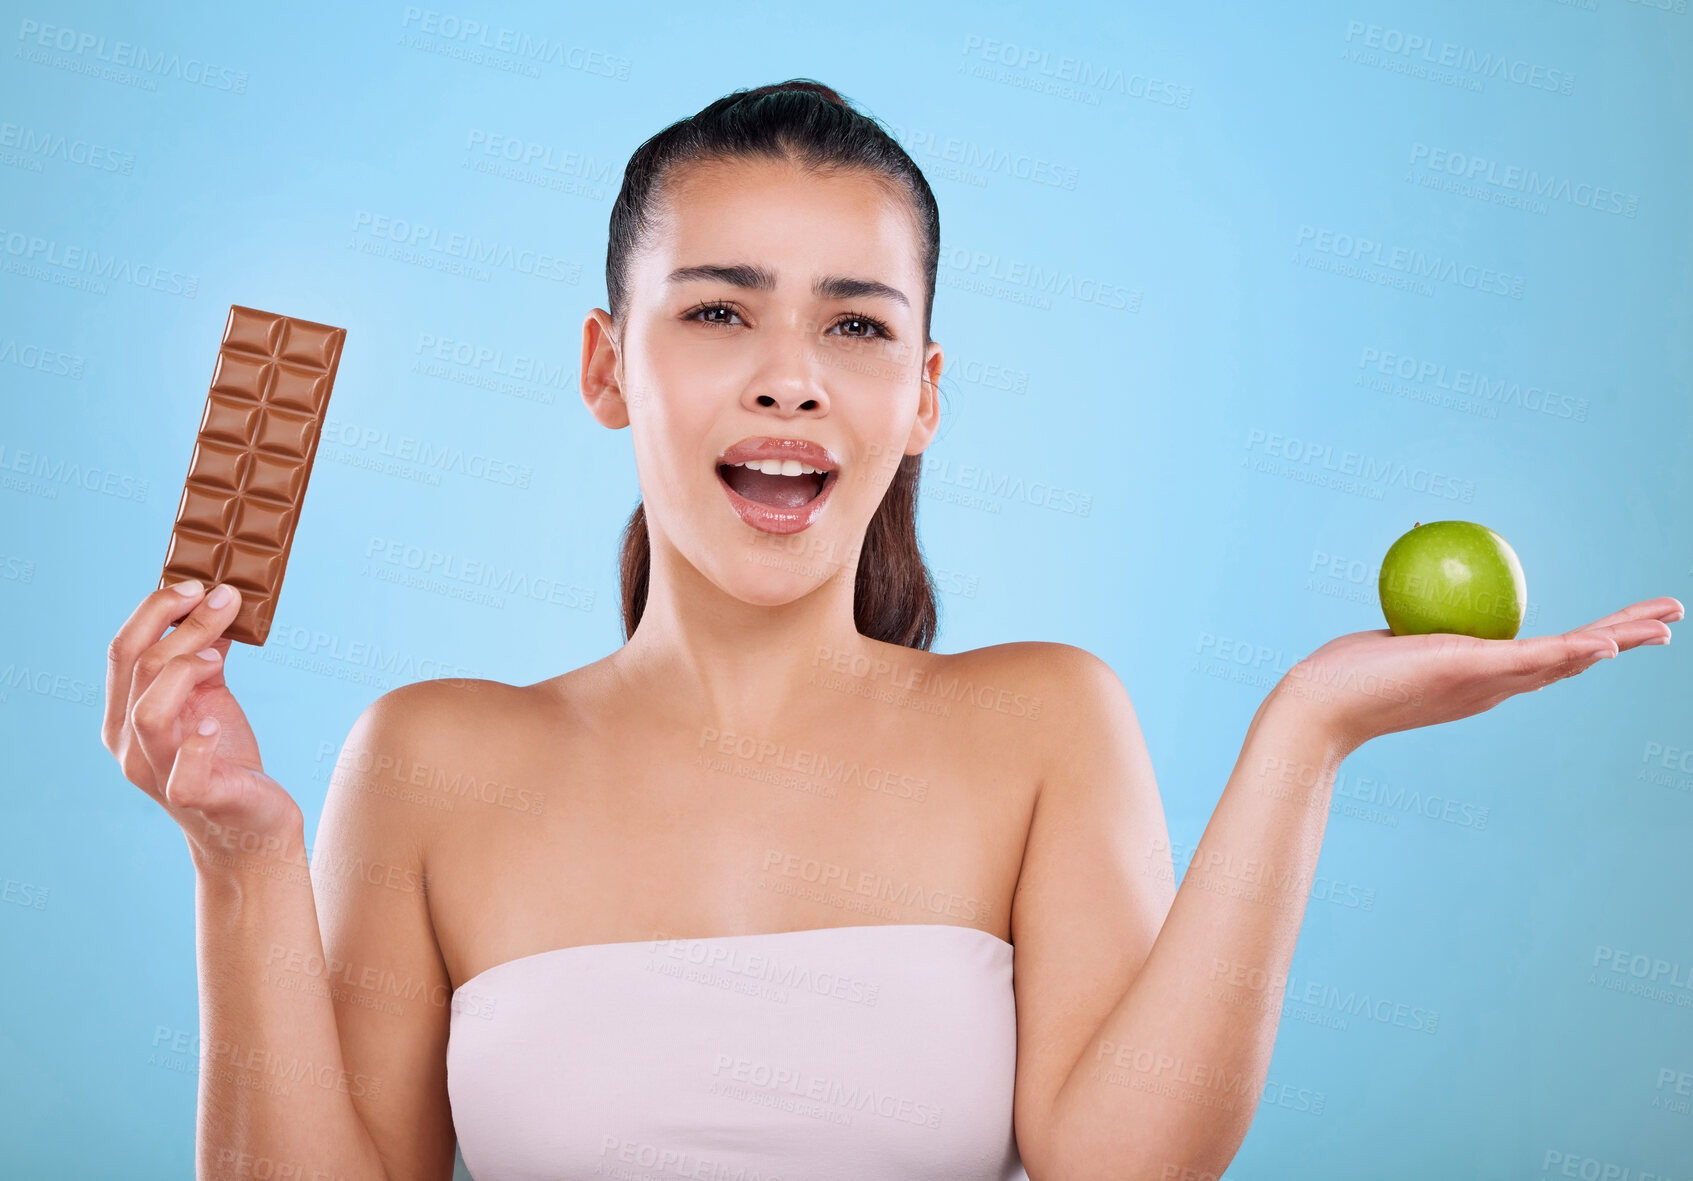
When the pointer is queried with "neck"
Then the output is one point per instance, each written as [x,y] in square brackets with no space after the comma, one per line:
[705,652]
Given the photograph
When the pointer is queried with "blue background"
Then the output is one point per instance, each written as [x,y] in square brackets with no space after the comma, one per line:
[1245,452]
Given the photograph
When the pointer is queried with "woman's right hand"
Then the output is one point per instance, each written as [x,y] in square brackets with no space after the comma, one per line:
[163,693]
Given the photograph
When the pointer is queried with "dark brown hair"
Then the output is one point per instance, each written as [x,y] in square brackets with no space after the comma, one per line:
[808,123]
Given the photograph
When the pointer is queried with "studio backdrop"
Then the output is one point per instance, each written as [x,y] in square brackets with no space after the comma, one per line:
[1231,297]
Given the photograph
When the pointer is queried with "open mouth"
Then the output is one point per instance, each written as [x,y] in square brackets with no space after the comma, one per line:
[776,495]
[771,487]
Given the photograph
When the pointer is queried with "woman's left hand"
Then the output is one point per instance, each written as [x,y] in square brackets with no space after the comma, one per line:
[1370,683]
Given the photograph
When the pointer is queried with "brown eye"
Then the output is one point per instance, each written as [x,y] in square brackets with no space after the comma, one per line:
[695,313]
[877,328]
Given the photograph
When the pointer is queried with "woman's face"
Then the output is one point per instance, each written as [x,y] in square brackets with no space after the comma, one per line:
[772,307]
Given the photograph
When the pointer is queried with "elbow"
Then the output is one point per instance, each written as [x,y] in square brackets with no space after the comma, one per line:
[1198,1146]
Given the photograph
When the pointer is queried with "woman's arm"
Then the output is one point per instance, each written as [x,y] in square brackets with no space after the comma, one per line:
[1171,1078]
[325,1005]
[276,1096]
[301,1074]
[1166,1083]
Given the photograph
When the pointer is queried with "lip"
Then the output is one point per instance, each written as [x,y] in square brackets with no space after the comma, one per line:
[768,518]
[765,447]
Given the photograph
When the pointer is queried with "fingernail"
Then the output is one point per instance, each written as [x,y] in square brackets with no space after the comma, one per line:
[189,587]
[208,725]
[1659,640]
[209,654]
[220,596]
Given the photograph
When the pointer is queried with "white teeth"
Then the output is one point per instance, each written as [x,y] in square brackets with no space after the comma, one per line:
[780,467]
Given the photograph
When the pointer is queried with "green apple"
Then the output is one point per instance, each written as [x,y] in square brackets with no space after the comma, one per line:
[1453,576]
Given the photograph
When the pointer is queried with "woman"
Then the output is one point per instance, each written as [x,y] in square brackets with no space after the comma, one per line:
[740,899]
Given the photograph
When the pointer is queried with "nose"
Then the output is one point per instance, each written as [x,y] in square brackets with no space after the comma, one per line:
[787,382]
[787,402]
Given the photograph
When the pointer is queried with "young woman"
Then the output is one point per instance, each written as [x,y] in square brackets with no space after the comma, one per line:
[772,890]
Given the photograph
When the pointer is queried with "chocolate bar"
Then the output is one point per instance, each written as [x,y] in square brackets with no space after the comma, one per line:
[252,458]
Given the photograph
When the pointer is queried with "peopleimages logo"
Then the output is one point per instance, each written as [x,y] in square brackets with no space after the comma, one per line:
[1513,178]
[43,360]
[34,252]
[421,236]
[130,56]
[1027,282]
[488,359]
[937,148]
[55,471]
[39,144]
[1374,473]
[1460,58]
[1413,263]
[542,156]
[1091,75]
[515,43]
[1472,383]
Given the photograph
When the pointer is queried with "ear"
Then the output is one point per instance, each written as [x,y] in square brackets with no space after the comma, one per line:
[929,402]
[601,392]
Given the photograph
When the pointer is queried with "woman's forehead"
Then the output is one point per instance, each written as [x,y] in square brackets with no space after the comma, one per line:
[788,221]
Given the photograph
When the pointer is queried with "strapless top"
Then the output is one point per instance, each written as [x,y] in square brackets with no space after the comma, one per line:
[884,1052]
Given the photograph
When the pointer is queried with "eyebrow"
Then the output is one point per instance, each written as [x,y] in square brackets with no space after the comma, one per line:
[757,278]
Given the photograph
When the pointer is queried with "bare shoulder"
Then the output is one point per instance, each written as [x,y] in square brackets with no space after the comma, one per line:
[415,752]
[401,762]
[411,725]
[428,718]
[1058,681]
[448,711]
[1048,656]
[422,706]
[1080,712]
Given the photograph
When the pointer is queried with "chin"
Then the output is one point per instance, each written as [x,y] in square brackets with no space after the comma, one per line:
[774,572]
